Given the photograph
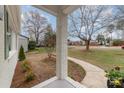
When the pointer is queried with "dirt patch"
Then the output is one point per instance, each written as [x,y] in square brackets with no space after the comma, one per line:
[43,68]
[75,71]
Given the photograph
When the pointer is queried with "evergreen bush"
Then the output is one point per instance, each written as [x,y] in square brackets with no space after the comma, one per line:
[31,45]
[21,54]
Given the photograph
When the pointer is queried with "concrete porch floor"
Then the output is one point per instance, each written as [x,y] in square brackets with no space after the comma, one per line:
[56,83]
[59,84]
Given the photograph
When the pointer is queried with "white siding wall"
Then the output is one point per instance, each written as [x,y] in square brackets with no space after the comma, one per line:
[7,72]
[1,45]
[1,41]
[23,42]
[7,66]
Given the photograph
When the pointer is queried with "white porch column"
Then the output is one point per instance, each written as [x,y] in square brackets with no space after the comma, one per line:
[61,48]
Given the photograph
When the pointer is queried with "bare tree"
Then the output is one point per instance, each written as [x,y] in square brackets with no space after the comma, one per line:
[110,29]
[87,21]
[120,8]
[120,21]
[35,24]
[49,41]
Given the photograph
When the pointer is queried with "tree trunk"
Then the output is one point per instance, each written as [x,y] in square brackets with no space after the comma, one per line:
[87,45]
[37,41]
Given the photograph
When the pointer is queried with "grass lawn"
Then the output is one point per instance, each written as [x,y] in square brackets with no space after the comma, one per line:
[38,50]
[104,58]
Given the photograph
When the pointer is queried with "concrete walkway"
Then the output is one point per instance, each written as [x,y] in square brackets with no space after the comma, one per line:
[95,76]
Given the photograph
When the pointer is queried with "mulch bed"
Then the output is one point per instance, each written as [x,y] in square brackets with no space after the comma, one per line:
[43,68]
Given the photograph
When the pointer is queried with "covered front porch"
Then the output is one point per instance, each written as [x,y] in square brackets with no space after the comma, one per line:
[61,80]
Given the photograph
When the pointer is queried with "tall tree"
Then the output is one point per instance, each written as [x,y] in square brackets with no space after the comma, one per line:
[120,26]
[101,39]
[120,22]
[110,29]
[87,21]
[35,24]
[49,41]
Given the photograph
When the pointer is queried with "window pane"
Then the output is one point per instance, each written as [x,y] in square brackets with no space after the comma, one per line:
[6,33]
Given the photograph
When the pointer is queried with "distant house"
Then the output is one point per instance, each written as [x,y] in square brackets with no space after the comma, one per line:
[75,43]
[82,43]
[23,41]
[93,43]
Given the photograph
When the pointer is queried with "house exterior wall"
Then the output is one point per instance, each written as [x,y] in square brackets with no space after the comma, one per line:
[7,66]
[7,71]
[1,38]
[23,42]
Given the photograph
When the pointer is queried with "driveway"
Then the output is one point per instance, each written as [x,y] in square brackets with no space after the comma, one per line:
[95,76]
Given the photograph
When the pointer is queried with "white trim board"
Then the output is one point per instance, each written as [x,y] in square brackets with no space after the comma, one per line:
[45,82]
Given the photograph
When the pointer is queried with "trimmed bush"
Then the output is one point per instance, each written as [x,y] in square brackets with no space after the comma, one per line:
[27,69]
[29,76]
[118,42]
[31,45]
[21,54]
[25,66]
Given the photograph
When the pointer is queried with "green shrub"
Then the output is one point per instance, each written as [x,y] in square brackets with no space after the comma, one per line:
[117,42]
[114,74]
[25,66]
[21,54]
[29,76]
[115,78]
[32,45]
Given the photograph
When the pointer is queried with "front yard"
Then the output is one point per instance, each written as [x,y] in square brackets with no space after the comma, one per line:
[105,58]
[43,68]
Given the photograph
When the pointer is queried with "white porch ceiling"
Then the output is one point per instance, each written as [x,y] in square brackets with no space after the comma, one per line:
[54,9]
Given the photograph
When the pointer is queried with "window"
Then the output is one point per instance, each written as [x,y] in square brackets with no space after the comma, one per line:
[8,34]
